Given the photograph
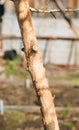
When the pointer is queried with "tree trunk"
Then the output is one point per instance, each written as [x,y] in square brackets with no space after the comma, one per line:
[35,65]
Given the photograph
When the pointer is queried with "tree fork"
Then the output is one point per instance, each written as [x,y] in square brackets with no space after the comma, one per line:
[35,65]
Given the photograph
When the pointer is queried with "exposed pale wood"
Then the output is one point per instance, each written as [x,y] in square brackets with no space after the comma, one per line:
[52,10]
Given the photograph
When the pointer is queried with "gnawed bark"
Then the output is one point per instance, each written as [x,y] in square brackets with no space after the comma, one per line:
[35,65]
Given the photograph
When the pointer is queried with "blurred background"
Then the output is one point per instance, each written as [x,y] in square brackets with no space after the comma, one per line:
[59,48]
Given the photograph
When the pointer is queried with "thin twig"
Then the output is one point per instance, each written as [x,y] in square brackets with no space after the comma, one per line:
[52,10]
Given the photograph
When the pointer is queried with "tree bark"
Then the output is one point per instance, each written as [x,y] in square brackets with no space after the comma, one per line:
[35,65]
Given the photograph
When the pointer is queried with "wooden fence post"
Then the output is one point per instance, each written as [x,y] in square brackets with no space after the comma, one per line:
[35,65]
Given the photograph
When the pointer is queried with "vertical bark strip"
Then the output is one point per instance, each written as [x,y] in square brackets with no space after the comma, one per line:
[35,65]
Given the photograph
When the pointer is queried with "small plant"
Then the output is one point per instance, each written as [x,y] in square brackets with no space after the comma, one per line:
[9,69]
[64,112]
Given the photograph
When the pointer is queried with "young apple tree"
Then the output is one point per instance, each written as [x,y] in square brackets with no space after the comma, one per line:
[35,65]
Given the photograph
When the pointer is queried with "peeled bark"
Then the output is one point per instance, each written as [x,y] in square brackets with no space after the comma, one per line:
[35,65]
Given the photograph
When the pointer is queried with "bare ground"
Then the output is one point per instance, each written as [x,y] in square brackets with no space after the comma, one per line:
[64,84]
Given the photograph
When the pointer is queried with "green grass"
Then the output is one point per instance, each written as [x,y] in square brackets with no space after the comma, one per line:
[9,69]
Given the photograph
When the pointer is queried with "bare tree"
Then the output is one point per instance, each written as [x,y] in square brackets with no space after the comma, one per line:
[35,65]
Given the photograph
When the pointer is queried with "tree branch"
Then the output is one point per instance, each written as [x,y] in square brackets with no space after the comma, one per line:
[52,10]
